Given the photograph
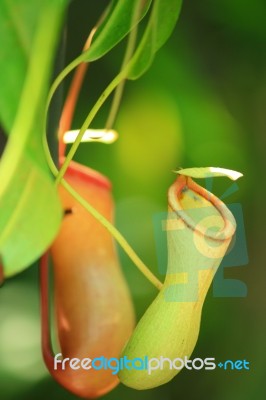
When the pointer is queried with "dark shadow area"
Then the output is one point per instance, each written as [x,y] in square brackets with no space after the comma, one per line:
[3,140]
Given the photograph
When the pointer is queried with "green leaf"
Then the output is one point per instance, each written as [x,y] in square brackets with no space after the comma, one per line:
[209,172]
[30,208]
[161,24]
[116,25]
[18,20]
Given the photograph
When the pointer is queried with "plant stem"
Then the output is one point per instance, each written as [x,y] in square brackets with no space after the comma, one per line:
[73,93]
[115,82]
[120,88]
[116,234]
[71,100]
[47,350]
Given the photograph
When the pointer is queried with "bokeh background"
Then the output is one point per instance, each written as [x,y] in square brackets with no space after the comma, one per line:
[202,103]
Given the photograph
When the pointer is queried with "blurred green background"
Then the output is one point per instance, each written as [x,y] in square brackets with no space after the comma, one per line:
[201,104]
